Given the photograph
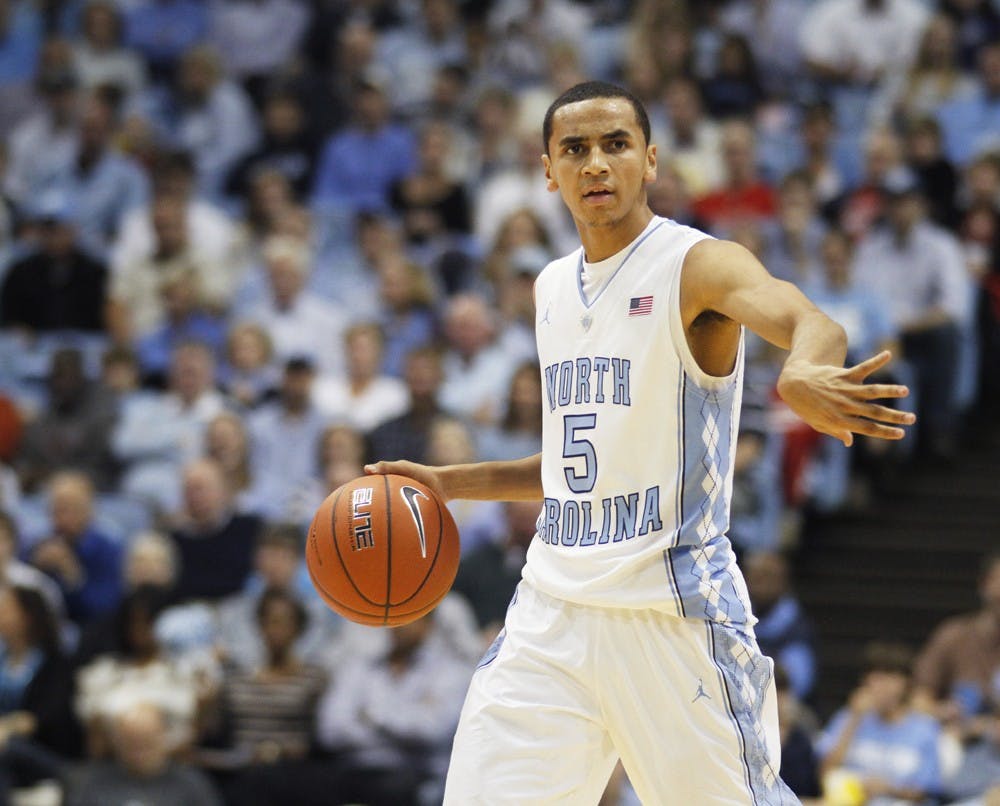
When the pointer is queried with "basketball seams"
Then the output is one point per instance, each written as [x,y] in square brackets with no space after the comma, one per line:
[336,545]
[437,552]
[388,550]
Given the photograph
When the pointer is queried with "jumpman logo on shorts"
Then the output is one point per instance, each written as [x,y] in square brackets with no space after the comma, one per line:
[545,319]
[701,692]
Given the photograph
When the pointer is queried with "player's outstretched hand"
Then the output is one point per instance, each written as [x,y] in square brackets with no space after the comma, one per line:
[838,402]
[423,473]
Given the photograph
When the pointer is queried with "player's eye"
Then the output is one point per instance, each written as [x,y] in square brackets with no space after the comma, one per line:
[619,145]
[573,150]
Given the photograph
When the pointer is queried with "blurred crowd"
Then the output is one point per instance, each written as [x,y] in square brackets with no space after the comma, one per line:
[248,245]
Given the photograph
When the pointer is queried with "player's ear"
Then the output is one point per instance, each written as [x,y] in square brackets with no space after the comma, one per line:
[550,183]
[649,175]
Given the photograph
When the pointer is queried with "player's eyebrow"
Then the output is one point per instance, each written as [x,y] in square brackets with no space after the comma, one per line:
[576,139]
[617,134]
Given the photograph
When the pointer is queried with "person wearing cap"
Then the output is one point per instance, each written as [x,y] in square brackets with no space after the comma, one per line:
[917,271]
[56,286]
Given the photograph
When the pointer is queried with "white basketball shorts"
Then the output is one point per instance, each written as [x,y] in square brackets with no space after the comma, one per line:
[689,707]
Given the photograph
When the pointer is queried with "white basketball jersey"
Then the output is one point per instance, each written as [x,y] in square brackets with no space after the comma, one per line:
[638,442]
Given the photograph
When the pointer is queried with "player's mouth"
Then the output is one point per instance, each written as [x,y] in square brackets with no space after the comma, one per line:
[597,195]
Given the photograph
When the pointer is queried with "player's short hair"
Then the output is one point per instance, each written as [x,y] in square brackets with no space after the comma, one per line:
[585,92]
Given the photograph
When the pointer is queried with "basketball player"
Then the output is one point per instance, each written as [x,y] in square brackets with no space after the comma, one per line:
[630,634]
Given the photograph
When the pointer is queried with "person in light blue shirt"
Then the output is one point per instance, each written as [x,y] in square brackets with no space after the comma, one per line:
[971,125]
[359,164]
[879,737]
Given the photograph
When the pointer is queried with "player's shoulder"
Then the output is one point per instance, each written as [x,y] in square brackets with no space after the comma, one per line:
[559,267]
[958,630]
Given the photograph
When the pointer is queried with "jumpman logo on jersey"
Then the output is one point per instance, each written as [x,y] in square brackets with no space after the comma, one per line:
[545,319]
[701,692]
[586,320]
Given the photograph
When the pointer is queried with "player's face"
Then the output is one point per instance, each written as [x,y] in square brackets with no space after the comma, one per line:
[599,161]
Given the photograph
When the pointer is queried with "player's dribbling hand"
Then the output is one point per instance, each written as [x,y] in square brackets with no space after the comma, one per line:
[838,402]
[423,473]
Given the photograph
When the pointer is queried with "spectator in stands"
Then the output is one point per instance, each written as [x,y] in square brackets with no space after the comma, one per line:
[691,138]
[519,432]
[743,195]
[15,572]
[859,209]
[364,398]
[489,573]
[287,146]
[917,269]
[137,306]
[138,671]
[36,715]
[102,184]
[185,318]
[142,770]
[859,42]
[58,285]
[934,78]
[406,313]
[793,237]
[72,431]
[267,711]
[227,442]
[298,321]
[390,720]
[818,129]
[783,630]
[215,543]
[83,561]
[734,89]
[45,142]
[277,563]
[477,370]
[892,748]
[970,123]
[433,204]
[209,231]
[249,376]
[407,434]
[99,57]
[359,163]
[158,434]
[283,437]
[257,41]
[207,115]
[494,115]
[936,174]
[772,31]
[412,54]
[977,23]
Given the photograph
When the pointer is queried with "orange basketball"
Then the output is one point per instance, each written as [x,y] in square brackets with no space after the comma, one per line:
[382,550]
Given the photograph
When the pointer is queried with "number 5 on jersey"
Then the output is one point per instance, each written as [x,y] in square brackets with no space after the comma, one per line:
[574,447]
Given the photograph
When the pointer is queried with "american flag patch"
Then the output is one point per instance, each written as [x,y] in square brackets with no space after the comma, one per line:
[640,306]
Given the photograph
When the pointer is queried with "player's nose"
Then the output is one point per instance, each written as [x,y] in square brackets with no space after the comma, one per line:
[595,162]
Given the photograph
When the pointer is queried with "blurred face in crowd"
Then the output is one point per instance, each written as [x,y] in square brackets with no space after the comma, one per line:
[372,108]
[100,25]
[283,117]
[341,443]
[296,388]
[13,619]
[71,502]
[226,441]
[149,562]
[684,106]
[410,637]
[888,690]
[248,348]
[205,495]
[140,741]
[96,121]
[169,225]
[989,69]
[904,211]
[364,352]
[522,517]
[739,153]
[279,627]
[468,325]
[881,156]
[423,375]
[836,252]
[197,75]
[767,579]
[287,276]
[277,564]
[449,442]
[191,371]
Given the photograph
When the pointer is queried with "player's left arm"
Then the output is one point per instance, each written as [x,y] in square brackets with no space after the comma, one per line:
[725,278]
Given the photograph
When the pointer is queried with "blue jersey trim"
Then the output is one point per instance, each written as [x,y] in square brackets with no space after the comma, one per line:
[731,710]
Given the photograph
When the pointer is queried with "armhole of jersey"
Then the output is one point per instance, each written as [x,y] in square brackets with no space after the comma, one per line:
[704,381]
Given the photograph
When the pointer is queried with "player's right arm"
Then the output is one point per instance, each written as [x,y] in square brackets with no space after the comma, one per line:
[515,480]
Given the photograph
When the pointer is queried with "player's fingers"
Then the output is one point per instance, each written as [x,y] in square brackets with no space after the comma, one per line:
[870,428]
[884,414]
[865,368]
[876,391]
[381,468]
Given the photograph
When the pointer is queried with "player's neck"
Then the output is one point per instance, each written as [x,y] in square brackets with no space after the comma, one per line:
[601,242]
